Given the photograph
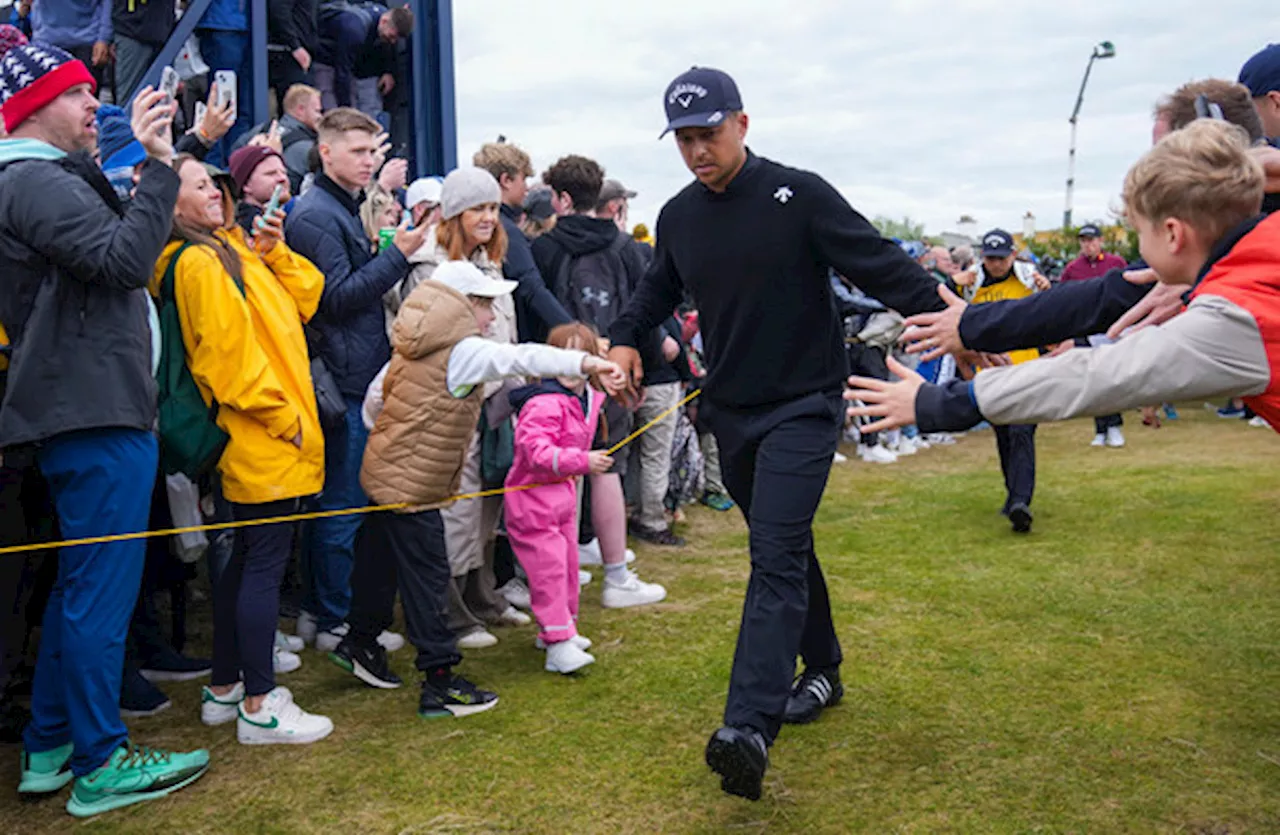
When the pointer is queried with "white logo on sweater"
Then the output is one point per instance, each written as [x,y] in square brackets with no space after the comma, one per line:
[783,194]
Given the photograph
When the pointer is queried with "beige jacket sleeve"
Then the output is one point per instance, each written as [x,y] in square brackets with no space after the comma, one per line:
[1212,350]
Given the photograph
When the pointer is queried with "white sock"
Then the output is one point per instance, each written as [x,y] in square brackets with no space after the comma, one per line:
[616,574]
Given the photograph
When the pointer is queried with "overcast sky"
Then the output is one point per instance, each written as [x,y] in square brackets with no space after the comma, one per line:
[927,108]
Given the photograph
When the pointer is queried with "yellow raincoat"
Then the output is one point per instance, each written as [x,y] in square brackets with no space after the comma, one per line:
[250,354]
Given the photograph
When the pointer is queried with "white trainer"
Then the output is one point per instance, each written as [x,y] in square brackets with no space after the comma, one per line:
[839,458]
[1099,440]
[327,640]
[514,617]
[516,591]
[284,661]
[280,721]
[306,628]
[631,592]
[589,554]
[582,642]
[290,643]
[941,438]
[1115,438]
[390,641]
[479,639]
[877,454]
[584,577]
[565,658]
[905,446]
[1259,422]
[219,710]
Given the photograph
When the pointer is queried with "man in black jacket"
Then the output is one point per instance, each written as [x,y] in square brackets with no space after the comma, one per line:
[537,309]
[325,228]
[754,242]
[80,400]
[593,268]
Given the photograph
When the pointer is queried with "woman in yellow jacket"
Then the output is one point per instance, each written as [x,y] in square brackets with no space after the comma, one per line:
[247,351]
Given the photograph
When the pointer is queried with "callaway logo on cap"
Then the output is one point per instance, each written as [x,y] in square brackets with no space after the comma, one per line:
[700,98]
[998,243]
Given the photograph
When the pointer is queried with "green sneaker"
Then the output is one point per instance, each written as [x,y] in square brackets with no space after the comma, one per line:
[133,774]
[718,501]
[46,771]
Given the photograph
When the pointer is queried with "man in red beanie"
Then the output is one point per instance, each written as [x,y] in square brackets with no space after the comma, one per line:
[257,171]
[79,403]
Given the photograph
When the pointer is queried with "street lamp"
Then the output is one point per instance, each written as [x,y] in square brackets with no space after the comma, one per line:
[1106,49]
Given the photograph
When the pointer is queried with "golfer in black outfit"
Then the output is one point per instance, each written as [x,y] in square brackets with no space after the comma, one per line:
[752,241]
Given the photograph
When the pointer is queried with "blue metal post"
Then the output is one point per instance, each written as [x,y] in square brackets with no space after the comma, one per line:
[435,134]
[177,39]
[258,60]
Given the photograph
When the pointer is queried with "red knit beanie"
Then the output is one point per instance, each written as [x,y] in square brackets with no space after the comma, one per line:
[32,76]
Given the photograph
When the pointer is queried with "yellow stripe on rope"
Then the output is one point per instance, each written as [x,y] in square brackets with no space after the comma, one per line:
[323,514]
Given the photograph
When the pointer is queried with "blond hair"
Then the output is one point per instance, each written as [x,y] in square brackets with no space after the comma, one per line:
[297,95]
[500,158]
[1203,175]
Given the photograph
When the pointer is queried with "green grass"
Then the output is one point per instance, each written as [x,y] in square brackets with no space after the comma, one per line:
[1116,671]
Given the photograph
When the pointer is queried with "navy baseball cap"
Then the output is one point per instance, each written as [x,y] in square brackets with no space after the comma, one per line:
[1261,73]
[1090,230]
[700,98]
[997,243]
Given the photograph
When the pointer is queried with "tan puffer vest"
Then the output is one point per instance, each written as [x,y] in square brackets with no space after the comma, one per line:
[420,439]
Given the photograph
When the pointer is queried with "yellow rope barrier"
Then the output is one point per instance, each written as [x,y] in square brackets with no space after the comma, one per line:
[323,514]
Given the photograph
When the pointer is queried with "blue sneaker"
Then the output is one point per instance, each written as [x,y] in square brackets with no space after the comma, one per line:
[1230,411]
[46,772]
[1170,413]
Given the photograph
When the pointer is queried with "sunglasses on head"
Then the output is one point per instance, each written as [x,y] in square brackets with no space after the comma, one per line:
[1206,109]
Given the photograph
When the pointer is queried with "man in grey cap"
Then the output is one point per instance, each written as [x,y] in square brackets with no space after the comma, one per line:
[613,203]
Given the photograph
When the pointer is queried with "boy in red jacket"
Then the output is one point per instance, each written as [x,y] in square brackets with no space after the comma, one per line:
[1194,199]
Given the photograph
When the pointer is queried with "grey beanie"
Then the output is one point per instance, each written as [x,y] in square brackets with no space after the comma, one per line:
[466,188]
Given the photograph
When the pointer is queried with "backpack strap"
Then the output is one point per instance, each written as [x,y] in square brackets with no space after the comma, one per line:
[171,276]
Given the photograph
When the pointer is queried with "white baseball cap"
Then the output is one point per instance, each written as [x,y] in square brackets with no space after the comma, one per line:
[424,190]
[467,279]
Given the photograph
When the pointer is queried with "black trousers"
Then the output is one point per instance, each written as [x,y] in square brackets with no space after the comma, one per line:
[776,462]
[1102,424]
[1017,446]
[246,598]
[408,549]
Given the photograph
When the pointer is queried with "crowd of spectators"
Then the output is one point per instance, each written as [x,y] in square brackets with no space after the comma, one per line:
[306,329]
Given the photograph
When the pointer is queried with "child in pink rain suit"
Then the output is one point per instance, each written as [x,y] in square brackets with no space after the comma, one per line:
[557,420]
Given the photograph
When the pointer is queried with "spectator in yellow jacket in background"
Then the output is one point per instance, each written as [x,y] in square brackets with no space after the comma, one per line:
[247,351]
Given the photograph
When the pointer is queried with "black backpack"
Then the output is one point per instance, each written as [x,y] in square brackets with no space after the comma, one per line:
[594,288]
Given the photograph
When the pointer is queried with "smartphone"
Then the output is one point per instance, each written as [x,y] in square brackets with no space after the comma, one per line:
[273,205]
[169,81]
[226,81]
[201,110]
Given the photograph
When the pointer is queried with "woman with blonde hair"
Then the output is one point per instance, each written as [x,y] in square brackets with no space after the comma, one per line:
[470,230]
[241,302]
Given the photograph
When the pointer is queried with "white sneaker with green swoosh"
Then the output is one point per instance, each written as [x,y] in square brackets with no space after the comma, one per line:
[280,722]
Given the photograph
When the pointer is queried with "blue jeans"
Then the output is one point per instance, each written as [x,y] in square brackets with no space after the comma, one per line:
[331,543]
[229,51]
[101,483]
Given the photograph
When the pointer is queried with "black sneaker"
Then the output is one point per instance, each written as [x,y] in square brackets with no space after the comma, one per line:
[139,697]
[169,665]
[662,536]
[452,695]
[740,757]
[366,662]
[810,694]
[1020,516]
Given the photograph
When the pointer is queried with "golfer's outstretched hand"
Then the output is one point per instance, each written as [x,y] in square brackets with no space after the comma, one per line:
[936,333]
[893,403]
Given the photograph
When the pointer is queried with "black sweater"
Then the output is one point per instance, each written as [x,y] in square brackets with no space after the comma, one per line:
[755,258]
